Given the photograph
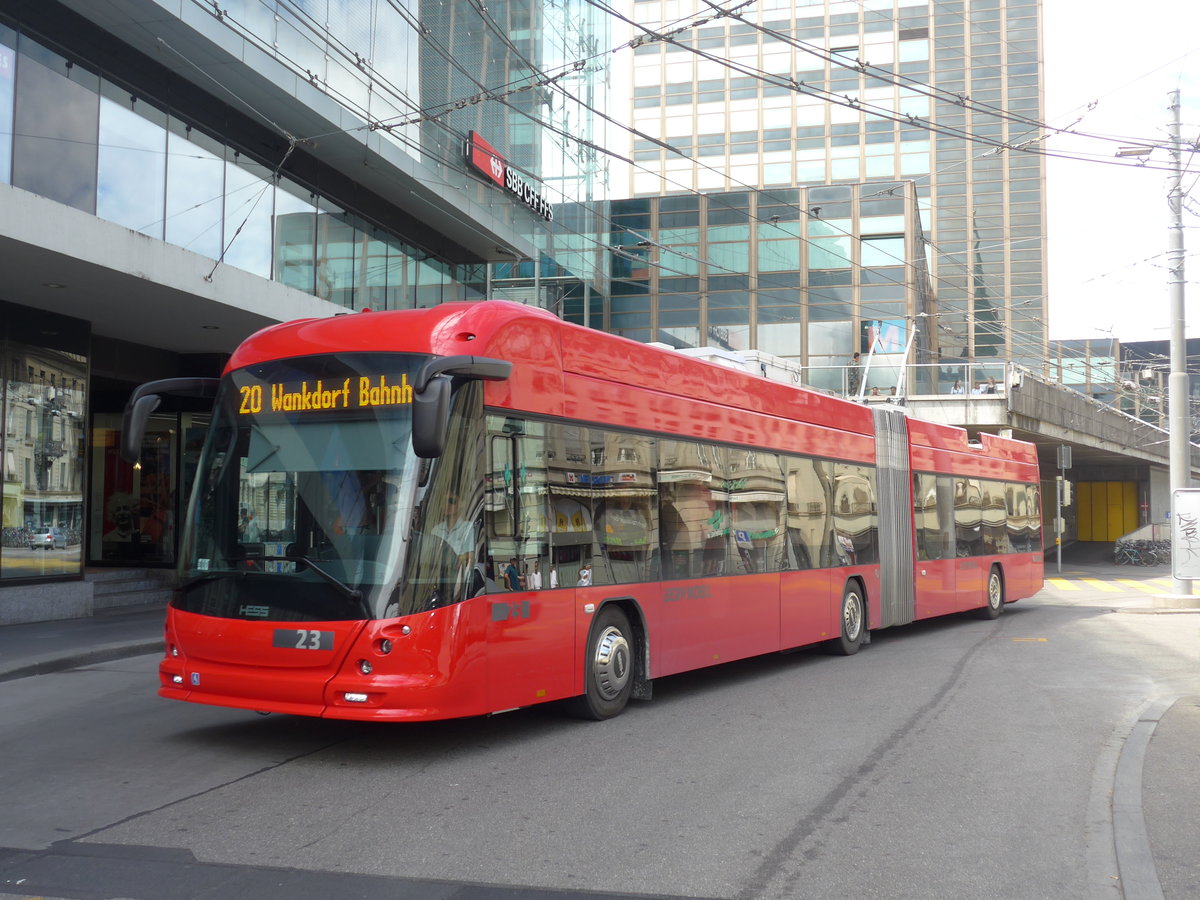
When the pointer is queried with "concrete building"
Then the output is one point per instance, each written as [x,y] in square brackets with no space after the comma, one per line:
[175,174]
[947,96]
[758,270]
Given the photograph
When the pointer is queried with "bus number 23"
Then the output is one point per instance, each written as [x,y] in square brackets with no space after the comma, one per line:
[303,639]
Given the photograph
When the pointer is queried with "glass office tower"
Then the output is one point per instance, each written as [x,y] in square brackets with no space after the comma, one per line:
[795,93]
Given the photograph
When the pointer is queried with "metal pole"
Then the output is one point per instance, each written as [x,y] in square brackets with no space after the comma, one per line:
[1058,486]
[1177,385]
[903,386]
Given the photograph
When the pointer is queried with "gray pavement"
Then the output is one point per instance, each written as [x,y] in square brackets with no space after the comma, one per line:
[1155,784]
[36,648]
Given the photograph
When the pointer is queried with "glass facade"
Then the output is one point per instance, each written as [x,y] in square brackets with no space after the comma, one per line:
[841,96]
[43,403]
[130,159]
[130,162]
[760,271]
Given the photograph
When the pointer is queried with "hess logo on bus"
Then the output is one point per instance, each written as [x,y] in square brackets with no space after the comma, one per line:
[361,393]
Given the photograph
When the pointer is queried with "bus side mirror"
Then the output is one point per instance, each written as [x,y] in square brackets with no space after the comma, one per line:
[146,398]
[431,396]
[133,425]
[431,418]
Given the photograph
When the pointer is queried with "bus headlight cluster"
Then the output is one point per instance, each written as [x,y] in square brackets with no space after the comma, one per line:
[365,666]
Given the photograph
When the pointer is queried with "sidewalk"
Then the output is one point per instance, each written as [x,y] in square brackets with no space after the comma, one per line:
[40,647]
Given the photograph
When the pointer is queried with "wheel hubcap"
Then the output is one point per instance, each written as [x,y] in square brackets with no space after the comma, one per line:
[994,591]
[852,616]
[612,664]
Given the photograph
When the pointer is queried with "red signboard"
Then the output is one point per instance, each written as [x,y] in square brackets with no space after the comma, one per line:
[483,156]
[485,159]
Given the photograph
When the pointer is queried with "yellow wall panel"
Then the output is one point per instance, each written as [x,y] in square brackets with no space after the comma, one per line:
[1116,511]
[1083,510]
[1106,510]
[1100,511]
[1129,501]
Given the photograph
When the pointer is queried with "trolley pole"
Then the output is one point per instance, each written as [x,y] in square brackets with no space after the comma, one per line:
[1177,385]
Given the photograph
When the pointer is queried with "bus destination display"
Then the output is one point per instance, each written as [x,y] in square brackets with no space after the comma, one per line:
[363,392]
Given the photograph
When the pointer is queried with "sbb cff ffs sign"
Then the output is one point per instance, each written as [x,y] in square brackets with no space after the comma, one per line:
[484,158]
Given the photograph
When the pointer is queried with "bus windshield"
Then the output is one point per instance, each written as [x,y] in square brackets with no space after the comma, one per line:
[309,498]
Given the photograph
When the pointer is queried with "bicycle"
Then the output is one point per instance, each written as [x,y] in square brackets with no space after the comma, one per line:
[1127,555]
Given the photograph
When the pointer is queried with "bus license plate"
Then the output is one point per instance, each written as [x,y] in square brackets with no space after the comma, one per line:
[303,639]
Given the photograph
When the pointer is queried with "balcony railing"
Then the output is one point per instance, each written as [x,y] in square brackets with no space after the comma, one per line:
[885,379]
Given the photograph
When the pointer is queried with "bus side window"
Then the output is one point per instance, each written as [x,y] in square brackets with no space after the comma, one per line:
[808,523]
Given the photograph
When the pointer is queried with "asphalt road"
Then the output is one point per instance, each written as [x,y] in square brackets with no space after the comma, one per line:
[959,758]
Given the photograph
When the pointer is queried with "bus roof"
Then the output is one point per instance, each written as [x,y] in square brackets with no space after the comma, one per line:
[564,369]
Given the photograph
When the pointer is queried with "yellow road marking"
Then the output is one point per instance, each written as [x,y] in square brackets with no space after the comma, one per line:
[1062,584]
[1146,586]
[1029,640]
[1100,585]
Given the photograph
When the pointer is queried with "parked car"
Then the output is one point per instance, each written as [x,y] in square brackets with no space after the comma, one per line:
[47,538]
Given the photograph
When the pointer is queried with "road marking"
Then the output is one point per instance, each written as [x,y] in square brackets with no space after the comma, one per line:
[1100,585]
[1029,640]
[1062,584]
[1148,586]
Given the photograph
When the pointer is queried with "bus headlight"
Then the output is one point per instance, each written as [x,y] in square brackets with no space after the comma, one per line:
[365,666]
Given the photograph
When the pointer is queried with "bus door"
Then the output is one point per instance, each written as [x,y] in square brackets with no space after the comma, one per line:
[806,612]
[971,570]
[936,567]
[529,632]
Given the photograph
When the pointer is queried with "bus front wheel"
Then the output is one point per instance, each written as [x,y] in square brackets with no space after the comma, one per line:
[853,621]
[608,667]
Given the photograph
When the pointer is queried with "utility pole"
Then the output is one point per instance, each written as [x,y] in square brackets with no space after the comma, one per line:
[1177,385]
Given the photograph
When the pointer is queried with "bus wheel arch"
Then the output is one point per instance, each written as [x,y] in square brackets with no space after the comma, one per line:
[993,598]
[853,618]
[616,662]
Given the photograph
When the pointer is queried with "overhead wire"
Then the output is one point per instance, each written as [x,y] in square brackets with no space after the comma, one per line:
[425,35]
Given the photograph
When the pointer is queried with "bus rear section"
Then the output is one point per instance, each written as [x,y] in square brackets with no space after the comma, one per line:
[977,521]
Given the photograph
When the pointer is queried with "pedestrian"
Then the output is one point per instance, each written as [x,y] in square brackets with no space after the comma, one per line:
[854,374]
[553,575]
[251,533]
[534,579]
[512,576]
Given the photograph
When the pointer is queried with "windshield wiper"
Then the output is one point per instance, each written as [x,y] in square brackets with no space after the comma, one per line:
[210,576]
[333,581]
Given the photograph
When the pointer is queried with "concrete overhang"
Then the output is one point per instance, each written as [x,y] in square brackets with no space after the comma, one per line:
[190,40]
[1049,415]
[132,287]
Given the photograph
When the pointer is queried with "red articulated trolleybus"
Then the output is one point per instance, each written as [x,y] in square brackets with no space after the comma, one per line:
[477,507]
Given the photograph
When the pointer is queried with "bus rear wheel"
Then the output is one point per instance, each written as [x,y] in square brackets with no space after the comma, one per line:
[995,596]
[608,667]
[853,621]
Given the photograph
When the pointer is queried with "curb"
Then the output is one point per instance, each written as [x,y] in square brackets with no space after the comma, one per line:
[81,658]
